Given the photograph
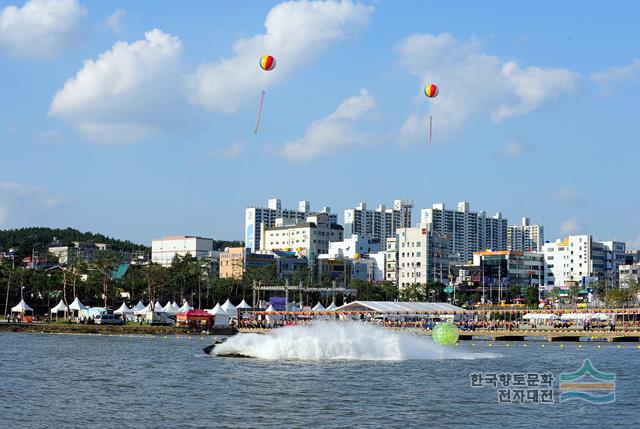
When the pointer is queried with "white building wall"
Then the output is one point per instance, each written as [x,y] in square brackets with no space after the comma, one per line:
[164,250]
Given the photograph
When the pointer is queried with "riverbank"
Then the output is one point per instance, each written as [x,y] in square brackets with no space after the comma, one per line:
[129,329]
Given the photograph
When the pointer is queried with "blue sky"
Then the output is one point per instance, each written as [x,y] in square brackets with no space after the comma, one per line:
[135,119]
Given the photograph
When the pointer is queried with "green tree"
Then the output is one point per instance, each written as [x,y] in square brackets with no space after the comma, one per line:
[156,277]
[531,296]
[105,263]
[413,292]
[574,292]
[514,291]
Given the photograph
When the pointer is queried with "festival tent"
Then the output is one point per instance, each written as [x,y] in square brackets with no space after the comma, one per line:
[170,309]
[195,317]
[585,316]
[124,310]
[230,309]
[175,309]
[22,307]
[60,308]
[318,307]
[331,307]
[185,307]
[76,305]
[271,317]
[214,309]
[157,307]
[244,306]
[139,306]
[220,317]
[540,316]
[144,310]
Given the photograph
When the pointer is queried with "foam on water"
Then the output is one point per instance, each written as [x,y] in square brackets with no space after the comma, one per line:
[340,341]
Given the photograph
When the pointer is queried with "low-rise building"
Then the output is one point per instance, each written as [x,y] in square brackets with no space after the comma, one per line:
[628,274]
[422,255]
[77,251]
[164,250]
[309,238]
[579,259]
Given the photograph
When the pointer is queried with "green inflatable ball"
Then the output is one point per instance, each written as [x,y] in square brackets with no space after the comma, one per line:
[445,334]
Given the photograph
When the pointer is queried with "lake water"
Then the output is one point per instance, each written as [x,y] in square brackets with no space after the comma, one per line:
[79,381]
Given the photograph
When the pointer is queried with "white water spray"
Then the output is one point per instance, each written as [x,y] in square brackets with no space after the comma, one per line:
[340,341]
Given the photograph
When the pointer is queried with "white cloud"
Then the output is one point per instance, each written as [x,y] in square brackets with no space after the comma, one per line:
[131,92]
[115,22]
[614,75]
[633,243]
[474,83]
[516,147]
[567,194]
[569,226]
[234,150]
[296,33]
[41,29]
[50,137]
[335,131]
[18,200]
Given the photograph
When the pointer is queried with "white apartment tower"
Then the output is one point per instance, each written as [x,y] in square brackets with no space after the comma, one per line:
[380,223]
[308,238]
[579,259]
[257,216]
[525,237]
[468,231]
[421,256]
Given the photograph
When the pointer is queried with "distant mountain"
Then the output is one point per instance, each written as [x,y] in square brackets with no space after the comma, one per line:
[221,244]
[23,240]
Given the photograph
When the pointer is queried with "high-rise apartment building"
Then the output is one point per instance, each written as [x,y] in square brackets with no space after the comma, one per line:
[467,231]
[257,216]
[578,259]
[380,223]
[421,256]
[525,237]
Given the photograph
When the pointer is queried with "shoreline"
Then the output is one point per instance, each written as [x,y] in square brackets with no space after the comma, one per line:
[39,328]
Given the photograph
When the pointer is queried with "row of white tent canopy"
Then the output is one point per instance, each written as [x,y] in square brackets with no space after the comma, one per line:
[566,316]
[170,308]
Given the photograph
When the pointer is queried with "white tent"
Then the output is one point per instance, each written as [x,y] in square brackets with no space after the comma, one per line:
[318,307]
[157,307]
[60,307]
[175,309]
[76,305]
[185,307]
[144,310]
[124,309]
[540,316]
[270,309]
[214,309]
[171,308]
[244,306]
[220,317]
[139,306]
[22,307]
[332,306]
[230,309]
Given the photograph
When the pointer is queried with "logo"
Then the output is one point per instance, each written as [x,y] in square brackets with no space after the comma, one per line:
[588,384]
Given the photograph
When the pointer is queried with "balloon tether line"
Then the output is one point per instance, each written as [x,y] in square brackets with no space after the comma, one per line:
[255,130]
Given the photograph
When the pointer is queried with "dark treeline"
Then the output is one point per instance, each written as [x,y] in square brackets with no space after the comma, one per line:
[25,240]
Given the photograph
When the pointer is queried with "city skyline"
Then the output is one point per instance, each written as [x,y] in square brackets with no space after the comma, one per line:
[543,129]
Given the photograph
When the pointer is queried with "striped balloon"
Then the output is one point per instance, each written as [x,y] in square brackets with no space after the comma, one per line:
[267,62]
[431,90]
